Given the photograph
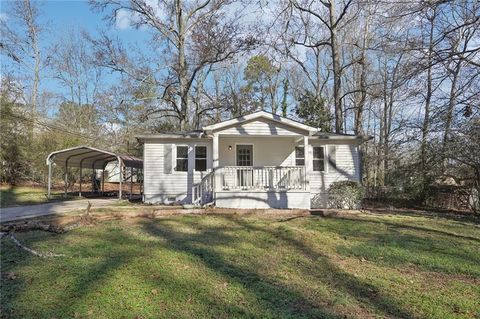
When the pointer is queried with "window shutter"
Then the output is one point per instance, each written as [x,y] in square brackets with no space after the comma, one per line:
[167,159]
[332,156]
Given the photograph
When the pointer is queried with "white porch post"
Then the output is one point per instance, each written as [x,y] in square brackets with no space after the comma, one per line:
[215,161]
[308,161]
[215,150]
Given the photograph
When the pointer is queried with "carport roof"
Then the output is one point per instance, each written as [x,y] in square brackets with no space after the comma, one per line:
[90,157]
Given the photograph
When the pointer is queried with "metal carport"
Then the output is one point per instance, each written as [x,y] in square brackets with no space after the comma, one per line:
[92,158]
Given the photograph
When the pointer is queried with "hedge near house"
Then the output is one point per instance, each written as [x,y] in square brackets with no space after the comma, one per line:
[346,195]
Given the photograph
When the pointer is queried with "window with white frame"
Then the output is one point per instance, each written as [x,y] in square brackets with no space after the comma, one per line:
[182,159]
[200,158]
[319,158]
[299,156]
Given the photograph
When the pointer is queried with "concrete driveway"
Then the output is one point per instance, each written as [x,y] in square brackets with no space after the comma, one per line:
[22,212]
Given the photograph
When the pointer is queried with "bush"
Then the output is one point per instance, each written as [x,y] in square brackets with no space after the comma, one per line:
[345,195]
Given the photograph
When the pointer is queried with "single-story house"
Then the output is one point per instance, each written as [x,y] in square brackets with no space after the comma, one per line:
[260,160]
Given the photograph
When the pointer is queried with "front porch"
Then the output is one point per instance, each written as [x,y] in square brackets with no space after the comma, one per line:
[257,164]
[254,187]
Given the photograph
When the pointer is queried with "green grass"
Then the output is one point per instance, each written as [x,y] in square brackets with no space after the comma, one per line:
[237,266]
[25,195]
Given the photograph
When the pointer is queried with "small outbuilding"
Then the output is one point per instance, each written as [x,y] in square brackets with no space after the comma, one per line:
[96,159]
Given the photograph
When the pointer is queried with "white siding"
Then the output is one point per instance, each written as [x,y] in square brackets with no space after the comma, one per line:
[262,200]
[347,168]
[267,151]
[261,127]
[159,185]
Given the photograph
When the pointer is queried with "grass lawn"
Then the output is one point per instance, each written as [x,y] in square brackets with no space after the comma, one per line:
[248,266]
[24,195]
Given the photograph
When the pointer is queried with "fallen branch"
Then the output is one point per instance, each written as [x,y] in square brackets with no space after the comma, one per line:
[31,251]
[85,219]
[29,226]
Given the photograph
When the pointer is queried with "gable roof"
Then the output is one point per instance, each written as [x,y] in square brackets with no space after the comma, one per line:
[260,115]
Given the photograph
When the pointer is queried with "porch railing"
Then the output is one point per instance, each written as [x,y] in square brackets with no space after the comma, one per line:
[262,178]
[202,192]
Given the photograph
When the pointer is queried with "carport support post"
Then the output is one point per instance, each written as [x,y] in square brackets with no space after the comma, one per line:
[80,190]
[103,180]
[121,178]
[65,179]
[131,182]
[49,189]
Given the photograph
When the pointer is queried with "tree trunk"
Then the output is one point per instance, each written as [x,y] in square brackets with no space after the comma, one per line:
[182,67]
[451,108]
[428,98]
[336,69]
[358,128]
[32,32]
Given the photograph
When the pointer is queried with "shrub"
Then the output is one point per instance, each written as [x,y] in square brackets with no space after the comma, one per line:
[345,195]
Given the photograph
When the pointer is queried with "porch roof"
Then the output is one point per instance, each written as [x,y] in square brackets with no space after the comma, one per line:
[341,136]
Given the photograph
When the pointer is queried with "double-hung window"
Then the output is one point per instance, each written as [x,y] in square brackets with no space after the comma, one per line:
[200,158]
[299,156]
[319,158]
[182,159]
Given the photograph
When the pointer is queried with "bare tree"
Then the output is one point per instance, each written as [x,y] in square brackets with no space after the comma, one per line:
[72,64]
[460,35]
[22,44]
[329,16]
[194,35]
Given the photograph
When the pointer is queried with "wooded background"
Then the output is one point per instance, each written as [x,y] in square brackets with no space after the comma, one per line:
[404,72]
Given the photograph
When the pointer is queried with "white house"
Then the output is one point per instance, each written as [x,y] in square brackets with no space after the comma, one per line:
[253,161]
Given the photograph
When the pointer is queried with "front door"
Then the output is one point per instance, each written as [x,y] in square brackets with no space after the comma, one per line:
[245,159]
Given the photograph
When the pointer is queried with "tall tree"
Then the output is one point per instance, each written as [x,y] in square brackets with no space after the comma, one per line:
[330,17]
[312,110]
[195,35]
[262,79]
[72,65]
[20,41]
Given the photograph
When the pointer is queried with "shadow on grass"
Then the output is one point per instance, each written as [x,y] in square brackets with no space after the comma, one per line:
[12,196]
[96,256]
[402,244]
[279,299]
[459,216]
[403,226]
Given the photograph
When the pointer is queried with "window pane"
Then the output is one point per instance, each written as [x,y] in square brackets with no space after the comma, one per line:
[300,162]
[244,155]
[182,165]
[318,152]
[200,152]
[299,152]
[318,165]
[201,165]
[182,151]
